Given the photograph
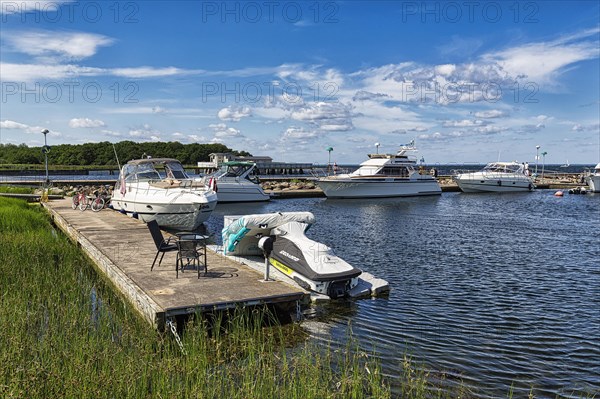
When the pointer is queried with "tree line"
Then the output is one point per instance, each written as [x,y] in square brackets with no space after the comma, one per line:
[103,153]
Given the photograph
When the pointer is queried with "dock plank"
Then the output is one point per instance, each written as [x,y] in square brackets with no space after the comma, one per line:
[122,250]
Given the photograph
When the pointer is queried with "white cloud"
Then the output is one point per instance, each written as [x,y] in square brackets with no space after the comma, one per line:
[144,132]
[85,123]
[65,45]
[327,116]
[221,130]
[463,123]
[542,62]
[298,133]
[148,72]
[594,127]
[234,113]
[492,113]
[33,72]
[6,124]
[22,6]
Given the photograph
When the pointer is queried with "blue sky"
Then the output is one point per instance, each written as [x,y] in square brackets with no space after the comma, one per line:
[469,81]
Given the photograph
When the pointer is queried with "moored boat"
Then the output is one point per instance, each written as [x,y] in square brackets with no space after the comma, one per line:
[496,177]
[383,175]
[159,189]
[235,182]
[593,179]
[311,264]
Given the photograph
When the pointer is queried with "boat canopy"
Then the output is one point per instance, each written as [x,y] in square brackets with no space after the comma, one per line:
[252,225]
[234,169]
[504,167]
[153,169]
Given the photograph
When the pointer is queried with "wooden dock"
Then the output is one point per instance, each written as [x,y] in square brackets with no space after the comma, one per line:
[122,250]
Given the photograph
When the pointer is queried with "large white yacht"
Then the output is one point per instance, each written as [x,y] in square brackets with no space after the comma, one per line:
[383,175]
[159,189]
[496,177]
[235,182]
[593,179]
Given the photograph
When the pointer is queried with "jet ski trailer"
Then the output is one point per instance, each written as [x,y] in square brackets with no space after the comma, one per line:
[312,265]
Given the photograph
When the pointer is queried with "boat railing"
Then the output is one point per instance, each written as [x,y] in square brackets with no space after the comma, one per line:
[318,173]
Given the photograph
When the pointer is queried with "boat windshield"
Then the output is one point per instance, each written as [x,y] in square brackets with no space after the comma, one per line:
[504,168]
[174,170]
[366,171]
[233,170]
[154,171]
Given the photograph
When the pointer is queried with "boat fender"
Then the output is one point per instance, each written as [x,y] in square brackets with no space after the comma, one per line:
[499,182]
[530,187]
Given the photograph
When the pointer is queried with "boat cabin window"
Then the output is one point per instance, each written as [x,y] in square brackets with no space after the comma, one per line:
[401,171]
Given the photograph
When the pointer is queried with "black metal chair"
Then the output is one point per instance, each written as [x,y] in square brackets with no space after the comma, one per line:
[192,251]
[162,245]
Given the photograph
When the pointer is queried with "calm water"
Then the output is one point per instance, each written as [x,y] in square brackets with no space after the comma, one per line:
[491,289]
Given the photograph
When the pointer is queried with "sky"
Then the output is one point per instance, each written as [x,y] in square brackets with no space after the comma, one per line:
[469,81]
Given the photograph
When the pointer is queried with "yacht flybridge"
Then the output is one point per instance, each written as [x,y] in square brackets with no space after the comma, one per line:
[496,177]
[383,175]
[159,189]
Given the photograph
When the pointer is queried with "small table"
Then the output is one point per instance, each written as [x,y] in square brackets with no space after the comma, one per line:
[191,250]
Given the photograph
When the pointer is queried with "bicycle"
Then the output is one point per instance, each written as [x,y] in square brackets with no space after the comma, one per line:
[80,200]
[101,199]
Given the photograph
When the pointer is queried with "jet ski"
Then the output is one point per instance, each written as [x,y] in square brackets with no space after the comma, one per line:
[312,265]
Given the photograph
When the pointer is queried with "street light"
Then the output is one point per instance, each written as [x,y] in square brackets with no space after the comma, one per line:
[377,148]
[45,151]
[537,157]
[329,149]
[543,163]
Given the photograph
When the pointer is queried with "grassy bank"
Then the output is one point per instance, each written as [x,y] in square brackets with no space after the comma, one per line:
[64,334]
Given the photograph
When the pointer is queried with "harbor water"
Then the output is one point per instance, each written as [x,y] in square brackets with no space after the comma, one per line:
[487,290]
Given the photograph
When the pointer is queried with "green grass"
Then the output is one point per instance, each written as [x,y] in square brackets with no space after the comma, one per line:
[16,190]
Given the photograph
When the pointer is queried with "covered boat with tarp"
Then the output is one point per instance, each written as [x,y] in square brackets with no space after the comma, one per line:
[312,265]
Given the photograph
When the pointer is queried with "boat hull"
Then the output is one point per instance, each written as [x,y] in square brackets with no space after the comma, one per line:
[594,183]
[477,183]
[378,188]
[236,192]
[170,208]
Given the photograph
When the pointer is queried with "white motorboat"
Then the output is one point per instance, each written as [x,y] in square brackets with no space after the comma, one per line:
[159,189]
[593,179]
[496,177]
[383,175]
[311,264]
[236,182]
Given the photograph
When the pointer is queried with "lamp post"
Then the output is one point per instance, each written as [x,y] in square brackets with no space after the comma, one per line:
[537,157]
[377,148]
[329,149]
[543,163]
[45,151]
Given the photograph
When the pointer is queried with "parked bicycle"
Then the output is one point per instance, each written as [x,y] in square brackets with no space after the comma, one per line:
[101,199]
[80,199]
